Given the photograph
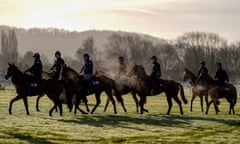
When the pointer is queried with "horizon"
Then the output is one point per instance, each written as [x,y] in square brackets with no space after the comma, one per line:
[166,19]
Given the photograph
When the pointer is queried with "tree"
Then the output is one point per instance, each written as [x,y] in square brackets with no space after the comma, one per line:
[88,46]
[9,50]
[200,45]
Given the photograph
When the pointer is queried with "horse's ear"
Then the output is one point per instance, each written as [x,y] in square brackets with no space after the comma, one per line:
[9,64]
[135,64]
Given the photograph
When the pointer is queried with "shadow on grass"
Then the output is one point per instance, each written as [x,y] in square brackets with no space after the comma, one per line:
[28,138]
[150,119]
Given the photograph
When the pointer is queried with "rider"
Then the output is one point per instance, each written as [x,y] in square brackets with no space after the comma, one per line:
[156,69]
[203,69]
[156,74]
[59,62]
[221,75]
[122,67]
[87,68]
[35,70]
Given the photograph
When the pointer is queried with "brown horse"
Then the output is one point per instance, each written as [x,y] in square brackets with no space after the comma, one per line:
[216,92]
[197,90]
[52,88]
[82,89]
[45,76]
[170,87]
[123,86]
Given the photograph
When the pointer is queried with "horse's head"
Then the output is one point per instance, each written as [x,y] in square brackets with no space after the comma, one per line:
[69,73]
[9,71]
[188,75]
[137,70]
[13,71]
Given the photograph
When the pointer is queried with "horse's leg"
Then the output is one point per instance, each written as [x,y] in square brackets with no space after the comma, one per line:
[201,102]
[98,101]
[179,103]
[193,97]
[141,103]
[120,99]
[136,100]
[60,108]
[106,105]
[77,103]
[109,94]
[208,106]
[86,103]
[26,104]
[51,110]
[37,103]
[12,101]
[216,107]
[169,100]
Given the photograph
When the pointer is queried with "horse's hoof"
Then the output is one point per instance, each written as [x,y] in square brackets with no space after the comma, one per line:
[38,110]
[28,113]
[10,113]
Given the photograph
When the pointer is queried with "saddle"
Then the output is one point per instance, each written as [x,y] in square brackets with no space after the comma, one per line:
[154,83]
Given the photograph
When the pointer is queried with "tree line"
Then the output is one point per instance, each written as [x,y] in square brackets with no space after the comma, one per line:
[185,51]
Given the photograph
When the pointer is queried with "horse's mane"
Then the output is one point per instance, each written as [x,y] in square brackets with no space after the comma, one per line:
[17,69]
[187,70]
[102,73]
[71,69]
[141,66]
[206,77]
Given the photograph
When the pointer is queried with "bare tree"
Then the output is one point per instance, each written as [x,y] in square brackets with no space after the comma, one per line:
[9,50]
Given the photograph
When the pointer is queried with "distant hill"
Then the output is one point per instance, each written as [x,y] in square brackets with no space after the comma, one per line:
[48,40]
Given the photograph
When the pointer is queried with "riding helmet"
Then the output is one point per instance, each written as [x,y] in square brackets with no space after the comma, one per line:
[153,58]
[58,53]
[36,55]
[86,55]
[202,62]
[219,64]
[121,58]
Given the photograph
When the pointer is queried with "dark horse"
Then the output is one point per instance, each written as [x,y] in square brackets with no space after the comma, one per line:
[45,76]
[197,90]
[170,87]
[216,92]
[123,86]
[52,88]
[82,89]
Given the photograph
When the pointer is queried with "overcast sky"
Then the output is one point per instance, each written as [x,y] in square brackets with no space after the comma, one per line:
[162,18]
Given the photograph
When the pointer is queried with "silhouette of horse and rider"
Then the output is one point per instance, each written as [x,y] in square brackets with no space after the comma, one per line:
[63,79]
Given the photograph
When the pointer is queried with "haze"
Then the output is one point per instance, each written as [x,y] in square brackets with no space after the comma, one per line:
[162,18]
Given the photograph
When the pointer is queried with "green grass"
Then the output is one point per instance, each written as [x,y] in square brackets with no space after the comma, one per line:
[130,127]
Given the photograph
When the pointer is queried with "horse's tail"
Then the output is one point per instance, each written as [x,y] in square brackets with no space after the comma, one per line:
[182,94]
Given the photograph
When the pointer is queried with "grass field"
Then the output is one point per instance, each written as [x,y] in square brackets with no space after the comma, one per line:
[130,127]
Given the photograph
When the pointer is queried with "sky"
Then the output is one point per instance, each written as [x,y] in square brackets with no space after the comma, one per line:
[162,18]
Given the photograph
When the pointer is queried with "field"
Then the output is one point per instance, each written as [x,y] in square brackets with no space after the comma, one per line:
[130,127]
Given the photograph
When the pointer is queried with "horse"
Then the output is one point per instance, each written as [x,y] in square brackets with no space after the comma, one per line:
[170,87]
[217,91]
[46,76]
[52,88]
[123,86]
[68,89]
[197,90]
[81,87]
